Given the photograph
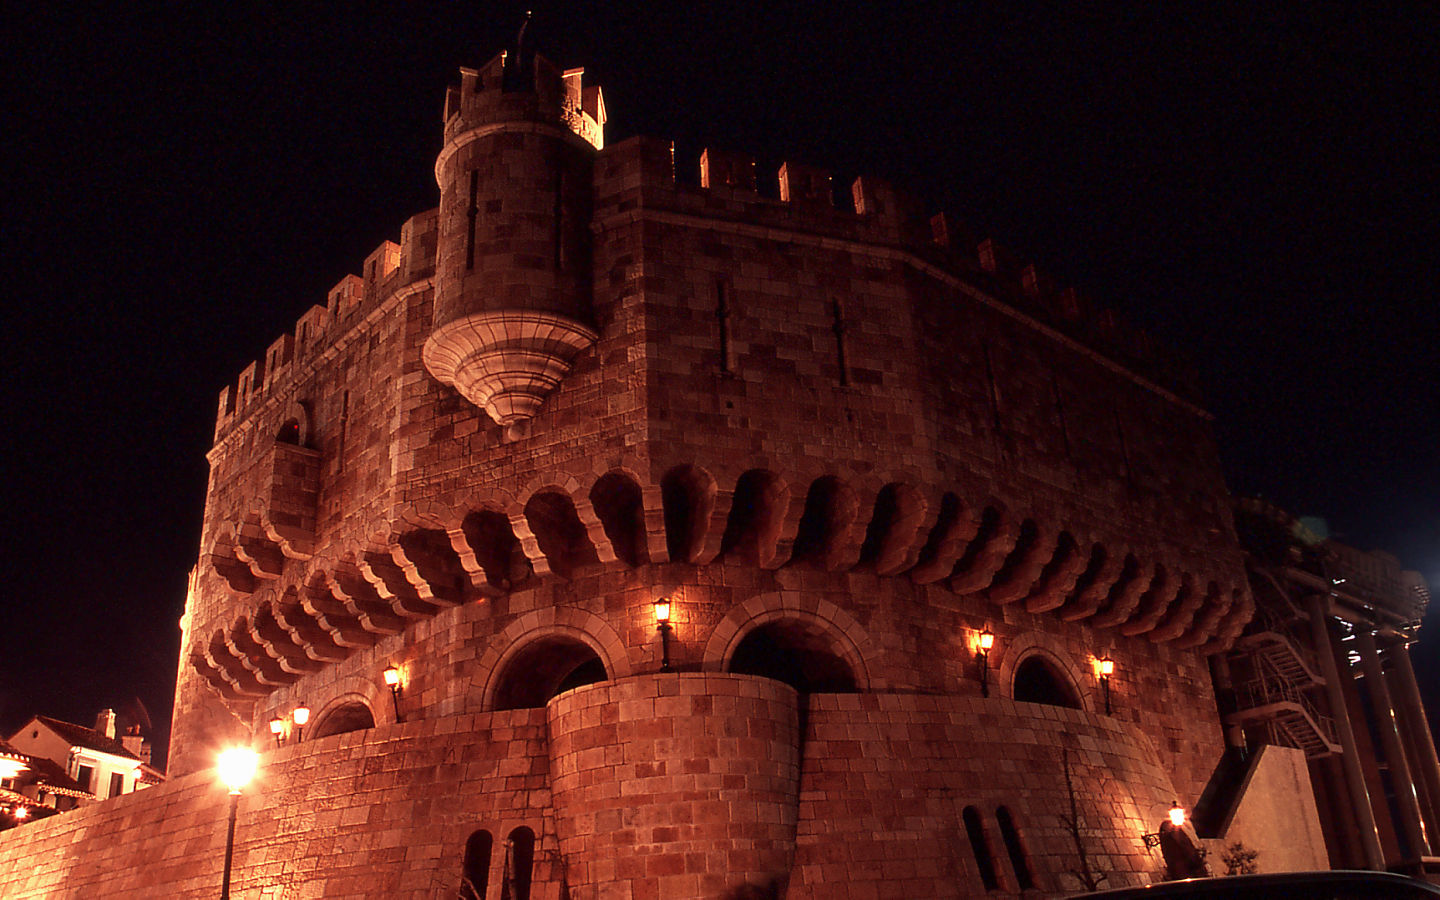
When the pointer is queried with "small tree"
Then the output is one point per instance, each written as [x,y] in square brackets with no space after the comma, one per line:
[1239,859]
[1089,879]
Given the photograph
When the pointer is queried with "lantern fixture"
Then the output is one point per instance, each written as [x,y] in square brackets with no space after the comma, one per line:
[662,623]
[1105,667]
[392,680]
[982,656]
[277,728]
[1175,819]
[300,715]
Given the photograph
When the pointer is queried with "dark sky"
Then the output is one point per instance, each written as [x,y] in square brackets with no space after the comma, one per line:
[1256,183]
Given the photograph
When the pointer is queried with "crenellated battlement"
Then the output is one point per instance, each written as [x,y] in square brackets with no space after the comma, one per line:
[644,172]
[522,86]
[387,269]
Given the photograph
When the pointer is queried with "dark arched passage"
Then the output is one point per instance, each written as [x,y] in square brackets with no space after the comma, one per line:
[1038,681]
[795,653]
[544,668]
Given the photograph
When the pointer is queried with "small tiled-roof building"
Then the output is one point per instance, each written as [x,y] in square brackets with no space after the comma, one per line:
[83,764]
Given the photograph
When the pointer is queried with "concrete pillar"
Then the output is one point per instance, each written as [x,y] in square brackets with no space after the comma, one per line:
[1416,725]
[1411,825]
[1318,607]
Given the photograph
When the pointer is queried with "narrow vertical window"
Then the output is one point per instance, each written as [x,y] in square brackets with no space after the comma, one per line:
[1060,412]
[519,859]
[475,877]
[1124,450]
[994,390]
[1014,849]
[838,326]
[473,212]
[560,221]
[980,847]
[722,319]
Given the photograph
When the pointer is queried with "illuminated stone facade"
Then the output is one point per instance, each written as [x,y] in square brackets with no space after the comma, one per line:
[842,440]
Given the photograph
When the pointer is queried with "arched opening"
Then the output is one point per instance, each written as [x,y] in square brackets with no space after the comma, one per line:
[519,860]
[289,432]
[351,716]
[688,495]
[618,503]
[559,532]
[980,848]
[757,511]
[497,550]
[544,668]
[1016,850]
[798,654]
[475,876]
[1038,681]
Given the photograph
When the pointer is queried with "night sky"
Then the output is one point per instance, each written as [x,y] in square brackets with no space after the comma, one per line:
[1255,183]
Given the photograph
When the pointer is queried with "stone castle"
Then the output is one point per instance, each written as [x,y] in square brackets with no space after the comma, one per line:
[949,561]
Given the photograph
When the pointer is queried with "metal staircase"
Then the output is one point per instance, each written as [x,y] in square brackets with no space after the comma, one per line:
[1276,702]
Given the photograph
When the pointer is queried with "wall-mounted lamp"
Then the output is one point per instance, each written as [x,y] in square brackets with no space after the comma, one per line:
[662,622]
[1176,819]
[300,715]
[1104,668]
[277,728]
[392,680]
[987,641]
[21,813]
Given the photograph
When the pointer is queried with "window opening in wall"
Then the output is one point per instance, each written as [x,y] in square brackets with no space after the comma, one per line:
[472,213]
[85,775]
[722,317]
[117,784]
[796,654]
[289,432]
[980,848]
[837,314]
[1014,848]
[519,859]
[354,716]
[475,876]
[559,217]
[545,668]
[1037,681]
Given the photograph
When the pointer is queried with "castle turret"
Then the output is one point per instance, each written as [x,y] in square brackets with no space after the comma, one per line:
[512,280]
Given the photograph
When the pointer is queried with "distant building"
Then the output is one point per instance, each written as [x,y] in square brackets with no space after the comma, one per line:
[71,764]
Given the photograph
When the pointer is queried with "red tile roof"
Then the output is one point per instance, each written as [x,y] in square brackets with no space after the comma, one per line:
[80,736]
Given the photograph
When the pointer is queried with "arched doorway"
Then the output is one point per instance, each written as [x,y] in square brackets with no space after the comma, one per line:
[352,715]
[545,667]
[796,653]
[1037,680]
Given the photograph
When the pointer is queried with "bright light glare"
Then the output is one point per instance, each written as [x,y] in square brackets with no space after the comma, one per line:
[301,715]
[1177,816]
[236,767]
[987,640]
[662,610]
[22,812]
[1107,667]
[392,676]
[9,768]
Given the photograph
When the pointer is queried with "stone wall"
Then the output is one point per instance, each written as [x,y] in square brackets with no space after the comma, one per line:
[384,812]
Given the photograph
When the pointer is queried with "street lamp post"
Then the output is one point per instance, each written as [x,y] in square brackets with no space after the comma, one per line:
[236,767]
[662,622]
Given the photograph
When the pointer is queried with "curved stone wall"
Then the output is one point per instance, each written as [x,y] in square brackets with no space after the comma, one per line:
[680,785]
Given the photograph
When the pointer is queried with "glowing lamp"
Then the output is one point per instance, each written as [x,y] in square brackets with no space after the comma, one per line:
[1107,667]
[301,715]
[236,767]
[392,680]
[662,611]
[987,640]
[277,726]
[10,767]
[22,813]
[662,623]
[1177,815]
